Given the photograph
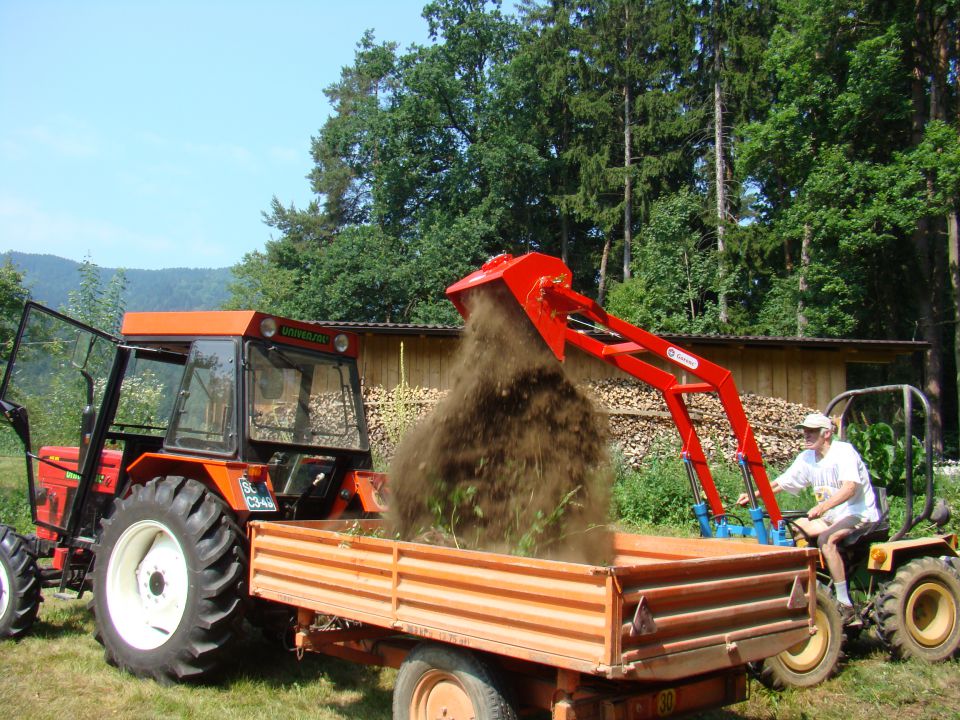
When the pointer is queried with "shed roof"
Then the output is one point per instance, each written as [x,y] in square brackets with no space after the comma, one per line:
[895,346]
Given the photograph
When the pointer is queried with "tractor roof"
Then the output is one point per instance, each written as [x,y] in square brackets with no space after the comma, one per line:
[185,326]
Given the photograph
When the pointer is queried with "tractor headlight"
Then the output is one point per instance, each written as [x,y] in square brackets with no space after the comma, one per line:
[268,327]
[341,343]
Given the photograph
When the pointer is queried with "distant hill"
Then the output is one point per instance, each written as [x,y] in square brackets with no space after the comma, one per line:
[50,279]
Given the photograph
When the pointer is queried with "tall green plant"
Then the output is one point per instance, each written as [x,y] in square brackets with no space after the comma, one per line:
[886,458]
[400,413]
[96,305]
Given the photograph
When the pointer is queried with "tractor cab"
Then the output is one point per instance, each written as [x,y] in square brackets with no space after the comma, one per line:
[263,411]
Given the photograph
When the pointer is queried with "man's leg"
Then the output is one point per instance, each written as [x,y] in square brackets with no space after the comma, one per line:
[831,554]
[811,528]
[829,541]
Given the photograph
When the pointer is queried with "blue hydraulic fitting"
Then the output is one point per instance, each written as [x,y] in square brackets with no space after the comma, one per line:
[760,527]
[703,518]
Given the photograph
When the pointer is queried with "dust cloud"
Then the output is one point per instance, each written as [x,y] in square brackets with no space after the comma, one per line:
[514,459]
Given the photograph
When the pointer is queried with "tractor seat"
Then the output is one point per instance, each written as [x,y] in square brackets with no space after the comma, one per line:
[859,540]
[869,533]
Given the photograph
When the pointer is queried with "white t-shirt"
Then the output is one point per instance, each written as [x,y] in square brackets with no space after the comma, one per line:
[841,464]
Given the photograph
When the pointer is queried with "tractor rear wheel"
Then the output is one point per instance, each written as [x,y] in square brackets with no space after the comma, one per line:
[918,612]
[440,681]
[169,581]
[19,585]
[811,661]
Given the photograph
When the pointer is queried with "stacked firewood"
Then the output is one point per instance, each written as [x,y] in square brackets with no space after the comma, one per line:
[639,420]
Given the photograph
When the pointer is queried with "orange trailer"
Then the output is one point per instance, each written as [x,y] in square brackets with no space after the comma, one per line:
[667,628]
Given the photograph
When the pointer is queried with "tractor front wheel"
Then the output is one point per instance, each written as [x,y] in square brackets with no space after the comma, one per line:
[918,612]
[811,661]
[19,585]
[440,681]
[169,578]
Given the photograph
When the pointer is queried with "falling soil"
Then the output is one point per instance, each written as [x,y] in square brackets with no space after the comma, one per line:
[514,459]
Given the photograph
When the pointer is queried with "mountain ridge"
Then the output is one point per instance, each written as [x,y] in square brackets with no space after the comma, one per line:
[51,278]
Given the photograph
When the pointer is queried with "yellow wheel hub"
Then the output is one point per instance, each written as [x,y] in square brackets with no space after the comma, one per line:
[807,654]
[930,614]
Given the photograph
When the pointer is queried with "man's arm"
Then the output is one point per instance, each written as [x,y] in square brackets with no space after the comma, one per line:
[845,492]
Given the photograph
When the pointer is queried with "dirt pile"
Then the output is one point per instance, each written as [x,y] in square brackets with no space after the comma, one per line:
[513,459]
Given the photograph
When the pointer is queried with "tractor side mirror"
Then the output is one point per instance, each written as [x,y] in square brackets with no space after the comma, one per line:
[82,347]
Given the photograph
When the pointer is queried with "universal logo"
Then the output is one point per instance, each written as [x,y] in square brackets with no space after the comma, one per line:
[681,357]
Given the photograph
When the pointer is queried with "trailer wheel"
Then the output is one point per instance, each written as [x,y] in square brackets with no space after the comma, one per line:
[169,579]
[918,612]
[19,585]
[439,681]
[812,661]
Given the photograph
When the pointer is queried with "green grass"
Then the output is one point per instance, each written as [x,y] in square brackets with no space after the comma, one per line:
[59,668]
[14,508]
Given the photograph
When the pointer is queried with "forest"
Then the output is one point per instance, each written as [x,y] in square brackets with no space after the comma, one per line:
[704,166]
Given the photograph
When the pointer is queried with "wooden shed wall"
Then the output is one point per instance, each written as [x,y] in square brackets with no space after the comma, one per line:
[807,376]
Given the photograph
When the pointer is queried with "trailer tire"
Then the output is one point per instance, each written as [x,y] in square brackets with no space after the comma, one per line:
[19,585]
[812,661]
[438,680]
[169,581]
[918,612]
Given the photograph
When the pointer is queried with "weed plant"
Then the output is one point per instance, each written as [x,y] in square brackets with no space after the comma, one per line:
[401,413]
[658,494]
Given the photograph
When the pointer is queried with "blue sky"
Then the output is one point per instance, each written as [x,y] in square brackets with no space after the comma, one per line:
[149,134]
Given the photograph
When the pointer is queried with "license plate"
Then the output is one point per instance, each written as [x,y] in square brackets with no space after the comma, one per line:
[257,497]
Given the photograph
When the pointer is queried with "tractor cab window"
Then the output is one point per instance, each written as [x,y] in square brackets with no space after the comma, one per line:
[302,398]
[147,395]
[204,417]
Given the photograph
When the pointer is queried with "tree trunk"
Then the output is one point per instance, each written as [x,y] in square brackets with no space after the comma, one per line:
[720,168]
[564,237]
[627,155]
[602,287]
[802,285]
[930,270]
[940,89]
[953,254]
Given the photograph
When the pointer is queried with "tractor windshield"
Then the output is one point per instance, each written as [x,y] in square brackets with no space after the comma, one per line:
[302,398]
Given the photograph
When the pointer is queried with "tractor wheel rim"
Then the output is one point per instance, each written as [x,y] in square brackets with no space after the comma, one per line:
[439,695]
[147,585]
[931,614]
[4,589]
[807,654]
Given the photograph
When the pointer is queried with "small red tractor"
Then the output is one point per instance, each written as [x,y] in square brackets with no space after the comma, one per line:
[189,425]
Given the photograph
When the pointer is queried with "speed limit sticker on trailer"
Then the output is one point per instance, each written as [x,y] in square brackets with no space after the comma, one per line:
[666,702]
[257,497]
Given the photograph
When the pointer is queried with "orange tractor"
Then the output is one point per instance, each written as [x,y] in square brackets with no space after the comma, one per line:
[191,424]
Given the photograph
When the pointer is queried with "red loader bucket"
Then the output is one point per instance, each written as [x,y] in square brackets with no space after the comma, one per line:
[524,278]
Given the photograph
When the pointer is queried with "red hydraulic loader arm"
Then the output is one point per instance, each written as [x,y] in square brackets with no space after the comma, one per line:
[542,286]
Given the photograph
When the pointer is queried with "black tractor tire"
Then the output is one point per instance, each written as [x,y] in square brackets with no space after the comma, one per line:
[918,612]
[169,581]
[809,662]
[19,585]
[438,680]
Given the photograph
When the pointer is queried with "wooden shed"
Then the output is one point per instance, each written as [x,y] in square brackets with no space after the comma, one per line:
[808,371]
